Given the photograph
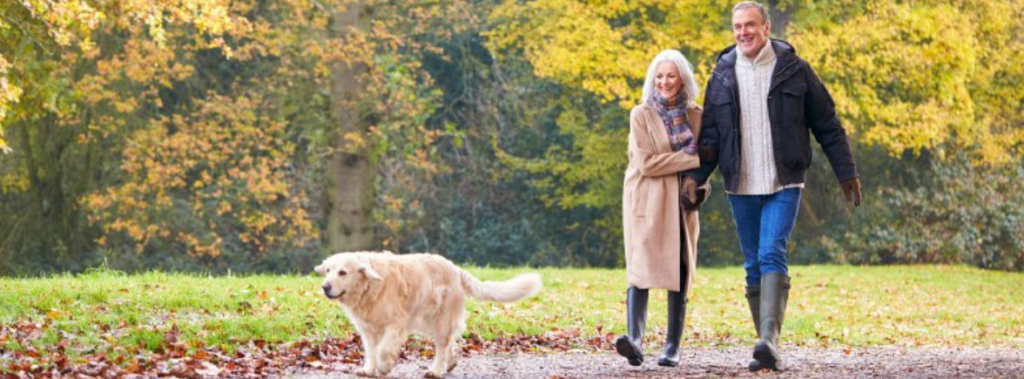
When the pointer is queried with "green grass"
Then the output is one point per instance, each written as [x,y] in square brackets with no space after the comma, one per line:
[831,306]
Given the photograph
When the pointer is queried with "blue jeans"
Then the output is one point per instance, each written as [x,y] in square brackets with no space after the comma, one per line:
[764,223]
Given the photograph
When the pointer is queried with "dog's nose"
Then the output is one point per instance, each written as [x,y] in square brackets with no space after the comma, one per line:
[327,288]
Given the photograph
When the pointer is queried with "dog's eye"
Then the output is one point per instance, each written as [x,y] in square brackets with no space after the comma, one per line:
[342,273]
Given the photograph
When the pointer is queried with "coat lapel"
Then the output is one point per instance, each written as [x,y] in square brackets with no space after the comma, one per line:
[656,130]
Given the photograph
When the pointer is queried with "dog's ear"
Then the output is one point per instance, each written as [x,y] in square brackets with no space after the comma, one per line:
[320,269]
[368,271]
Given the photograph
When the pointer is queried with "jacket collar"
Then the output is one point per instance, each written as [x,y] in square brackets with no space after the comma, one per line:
[785,55]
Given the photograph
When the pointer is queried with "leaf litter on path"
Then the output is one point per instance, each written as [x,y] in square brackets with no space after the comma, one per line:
[553,354]
[800,362]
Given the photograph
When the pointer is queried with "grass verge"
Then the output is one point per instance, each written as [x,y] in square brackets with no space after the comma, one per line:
[830,306]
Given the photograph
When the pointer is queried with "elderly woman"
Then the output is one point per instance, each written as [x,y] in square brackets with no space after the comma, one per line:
[659,203]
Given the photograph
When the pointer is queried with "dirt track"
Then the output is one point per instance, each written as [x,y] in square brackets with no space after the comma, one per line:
[876,362]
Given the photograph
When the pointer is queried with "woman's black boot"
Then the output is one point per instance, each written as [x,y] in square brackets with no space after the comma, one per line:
[630,345]
[676,322]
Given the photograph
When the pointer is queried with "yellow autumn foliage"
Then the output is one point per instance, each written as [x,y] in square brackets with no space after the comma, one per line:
[906,76]
[55,25]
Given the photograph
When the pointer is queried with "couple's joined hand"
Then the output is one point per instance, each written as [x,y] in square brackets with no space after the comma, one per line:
[689,192]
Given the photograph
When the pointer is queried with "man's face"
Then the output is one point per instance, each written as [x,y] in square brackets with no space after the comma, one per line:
[750,31]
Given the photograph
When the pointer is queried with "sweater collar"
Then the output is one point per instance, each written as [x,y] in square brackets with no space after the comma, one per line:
[764,57]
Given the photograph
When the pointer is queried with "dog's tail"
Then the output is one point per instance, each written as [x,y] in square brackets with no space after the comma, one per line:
[519,287]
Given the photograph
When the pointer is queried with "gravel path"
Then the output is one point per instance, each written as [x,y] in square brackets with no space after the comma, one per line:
[876,362]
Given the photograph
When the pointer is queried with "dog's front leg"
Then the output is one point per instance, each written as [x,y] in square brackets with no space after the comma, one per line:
[370,345]
[390,346]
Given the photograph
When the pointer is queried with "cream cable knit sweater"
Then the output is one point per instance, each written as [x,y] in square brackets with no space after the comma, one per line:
[757,160]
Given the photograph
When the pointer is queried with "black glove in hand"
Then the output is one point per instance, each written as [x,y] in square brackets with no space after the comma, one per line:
[851,189]
[692,196]
[689,191]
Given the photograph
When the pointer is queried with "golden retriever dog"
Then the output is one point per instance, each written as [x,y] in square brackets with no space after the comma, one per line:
[388,296]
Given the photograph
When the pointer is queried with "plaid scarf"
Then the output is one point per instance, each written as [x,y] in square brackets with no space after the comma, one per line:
[673,114]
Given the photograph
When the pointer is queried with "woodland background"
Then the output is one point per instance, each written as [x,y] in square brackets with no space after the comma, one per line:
[261,135]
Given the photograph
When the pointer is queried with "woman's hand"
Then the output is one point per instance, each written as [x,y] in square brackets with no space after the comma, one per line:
[689,190]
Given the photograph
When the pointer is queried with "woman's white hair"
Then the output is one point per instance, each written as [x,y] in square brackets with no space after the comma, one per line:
[685,73]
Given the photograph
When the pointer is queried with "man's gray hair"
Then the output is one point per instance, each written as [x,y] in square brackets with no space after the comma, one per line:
[756,5]
[685,73]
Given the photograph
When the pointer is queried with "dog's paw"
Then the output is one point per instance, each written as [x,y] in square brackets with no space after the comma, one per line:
[433,375]
[452,366]
[363,372]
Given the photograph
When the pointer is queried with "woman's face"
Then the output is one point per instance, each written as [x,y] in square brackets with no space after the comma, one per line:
[667,80]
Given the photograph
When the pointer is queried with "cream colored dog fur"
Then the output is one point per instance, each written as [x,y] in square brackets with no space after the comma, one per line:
[388,296]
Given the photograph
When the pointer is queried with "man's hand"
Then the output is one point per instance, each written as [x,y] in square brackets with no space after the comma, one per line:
[689,192]
[851,189]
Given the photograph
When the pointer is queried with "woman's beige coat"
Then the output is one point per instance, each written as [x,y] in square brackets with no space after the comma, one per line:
[650,204]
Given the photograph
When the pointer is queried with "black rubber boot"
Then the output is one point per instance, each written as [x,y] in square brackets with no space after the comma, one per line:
[753,295]
[774,296]
[630,345]
[676,322]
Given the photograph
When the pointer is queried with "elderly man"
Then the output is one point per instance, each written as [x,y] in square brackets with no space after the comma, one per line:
[761,104]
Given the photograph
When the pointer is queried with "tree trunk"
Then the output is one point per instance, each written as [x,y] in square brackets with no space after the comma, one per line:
[350,225]
[779,18]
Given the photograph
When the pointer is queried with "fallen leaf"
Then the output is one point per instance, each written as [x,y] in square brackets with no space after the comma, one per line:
[208,369]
